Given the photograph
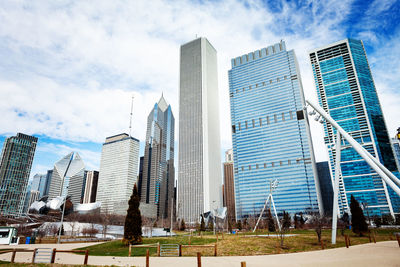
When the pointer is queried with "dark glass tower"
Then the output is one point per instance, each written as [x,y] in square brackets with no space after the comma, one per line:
[157,178]
[15,167]
[346,91]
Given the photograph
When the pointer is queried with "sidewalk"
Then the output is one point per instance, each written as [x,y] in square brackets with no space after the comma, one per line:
[379,254]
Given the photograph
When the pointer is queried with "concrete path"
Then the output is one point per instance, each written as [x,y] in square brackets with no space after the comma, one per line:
[379,254]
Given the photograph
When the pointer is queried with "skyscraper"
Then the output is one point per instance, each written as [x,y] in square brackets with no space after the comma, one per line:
[346,91]
[199,185]
[325,183]
[229,188]
[118,173]
[15,167]
[270,133]
[90,191]
[158,177]
[67,178]
[39,182]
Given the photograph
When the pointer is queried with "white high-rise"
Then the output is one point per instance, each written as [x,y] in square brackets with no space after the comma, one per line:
[200,183]
[118,173]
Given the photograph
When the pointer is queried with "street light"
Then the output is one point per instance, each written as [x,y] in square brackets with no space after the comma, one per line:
[62,216]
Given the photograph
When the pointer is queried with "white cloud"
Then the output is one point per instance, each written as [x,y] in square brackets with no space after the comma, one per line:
[70,69]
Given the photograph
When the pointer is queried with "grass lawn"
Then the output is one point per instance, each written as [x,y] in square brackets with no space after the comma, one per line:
[242,244]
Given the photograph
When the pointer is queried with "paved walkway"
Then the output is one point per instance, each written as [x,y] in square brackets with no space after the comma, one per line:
[379,254]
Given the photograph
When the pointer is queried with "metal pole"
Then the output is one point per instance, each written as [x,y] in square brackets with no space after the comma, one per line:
[62,219]
[276,214]
[360,150]
[262,212]
[336,188]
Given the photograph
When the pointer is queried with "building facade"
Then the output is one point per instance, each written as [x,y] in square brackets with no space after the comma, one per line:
[270,134]
[326,186]
[15,167]
[118,173]
[158,179]
[396,149]
[39,183]
[200,183]
[90,191]
[346,91]
[68,178]
[229,187]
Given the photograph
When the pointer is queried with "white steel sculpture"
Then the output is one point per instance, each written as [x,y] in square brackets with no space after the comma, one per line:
[272,186]
[381,170]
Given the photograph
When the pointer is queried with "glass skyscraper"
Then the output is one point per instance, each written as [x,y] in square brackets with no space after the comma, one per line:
[158,174]
[347,92]
[270,133]
[15,167]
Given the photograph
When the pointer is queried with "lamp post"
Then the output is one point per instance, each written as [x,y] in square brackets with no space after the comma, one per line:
[62,216]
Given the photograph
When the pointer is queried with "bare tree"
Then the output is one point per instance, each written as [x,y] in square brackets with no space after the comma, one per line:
[317,222]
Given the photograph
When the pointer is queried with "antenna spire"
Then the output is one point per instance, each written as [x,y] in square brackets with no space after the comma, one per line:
[130,119]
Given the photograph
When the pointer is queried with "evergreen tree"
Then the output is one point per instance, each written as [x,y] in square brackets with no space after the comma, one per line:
[270,222]
[133,220]
[202,224]
[358,224]
[301,220]
[286,221]
[183,225]
[296,222]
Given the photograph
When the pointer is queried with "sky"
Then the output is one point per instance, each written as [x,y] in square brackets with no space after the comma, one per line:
[68,69]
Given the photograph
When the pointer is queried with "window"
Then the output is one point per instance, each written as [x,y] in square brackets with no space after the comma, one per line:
[265,165]
[273,164]
[239,126]
[237,91]
[249,167]
[231,94]
[275,118]
[280,163]
[270,81]
[233,129]
[246,124]
[260,122]
[256,84]
[263,83]
[267,119]
[249,86]
[253,123]
[277,79]
[283,116]
[300,115]
[243,89]
[256,166]
[242,168]
[289,162]
[285,77]
[291,115]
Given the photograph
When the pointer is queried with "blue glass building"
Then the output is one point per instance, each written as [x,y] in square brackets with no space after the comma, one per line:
[270,133]
[347,92]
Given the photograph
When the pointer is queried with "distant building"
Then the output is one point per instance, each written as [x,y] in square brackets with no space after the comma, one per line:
[39,183]
[48,181]
[67,178]
[229,188]
[396,150]
[346,90]
[90,191]
[326,185]
[118,173]
[270,134]
[200,183]
[158,175]
[15,167]
[140,177]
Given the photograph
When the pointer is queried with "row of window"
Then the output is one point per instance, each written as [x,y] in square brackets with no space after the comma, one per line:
[293,77]
[273,164]
[259,122]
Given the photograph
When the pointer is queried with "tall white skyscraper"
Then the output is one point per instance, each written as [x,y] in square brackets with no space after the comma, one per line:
[118,173]
[200,183]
